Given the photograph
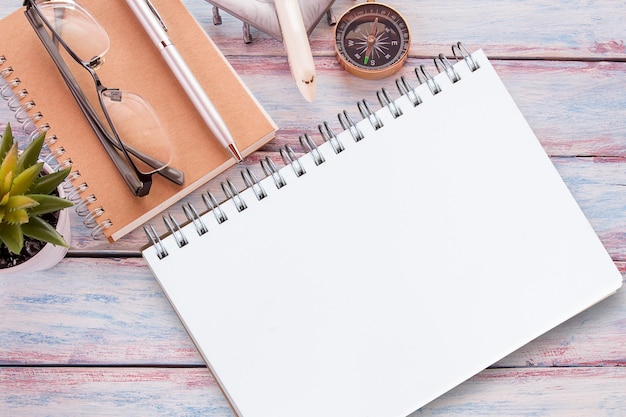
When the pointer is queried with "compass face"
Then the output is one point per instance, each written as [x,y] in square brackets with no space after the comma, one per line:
[372,40]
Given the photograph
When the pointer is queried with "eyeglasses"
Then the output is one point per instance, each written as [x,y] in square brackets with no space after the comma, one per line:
[145,149]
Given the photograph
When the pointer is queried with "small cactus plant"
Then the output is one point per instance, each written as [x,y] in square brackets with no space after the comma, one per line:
[26,194]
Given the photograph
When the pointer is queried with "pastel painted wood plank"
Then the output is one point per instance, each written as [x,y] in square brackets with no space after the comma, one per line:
[112,312]
[548,392]
[189,392]
[597,184]
[90,311]
[595,337]
[529,29]
[94,392]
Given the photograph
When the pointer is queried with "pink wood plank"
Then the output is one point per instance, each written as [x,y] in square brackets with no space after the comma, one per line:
[561,392]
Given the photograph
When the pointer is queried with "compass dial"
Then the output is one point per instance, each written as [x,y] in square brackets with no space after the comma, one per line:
[372,40]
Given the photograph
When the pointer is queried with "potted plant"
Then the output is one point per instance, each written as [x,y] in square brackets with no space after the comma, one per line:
[33,223]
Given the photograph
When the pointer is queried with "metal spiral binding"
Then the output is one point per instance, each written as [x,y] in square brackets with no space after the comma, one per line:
[74,194]
[233,195]
[312,149]
[446,66]
[156,241]
[253,182]
[175,229]
[214,207]
[367,113]
[463,53]
[406,89]
[434,87]
[81,207]
[347,123]
[194,217]
[289,158]
[288,155]
[269,168]
[329,136]
[21,114]
[25,110]
[385,100]
[14,102]
[98,231]
[6,91]
[74,175]
[90,219]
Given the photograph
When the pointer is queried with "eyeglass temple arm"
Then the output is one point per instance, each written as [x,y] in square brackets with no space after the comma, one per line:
[130,178]
[170,173]
[173,174]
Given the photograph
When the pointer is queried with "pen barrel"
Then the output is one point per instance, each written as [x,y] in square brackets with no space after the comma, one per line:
[156,31]
[197,95]
[149,21]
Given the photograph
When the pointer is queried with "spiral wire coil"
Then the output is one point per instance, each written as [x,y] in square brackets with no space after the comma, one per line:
[309,147]
[33,124]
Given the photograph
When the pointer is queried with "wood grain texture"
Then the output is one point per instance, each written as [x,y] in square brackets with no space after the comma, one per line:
[509,29]
[113,312]
[109,392]
[96,336]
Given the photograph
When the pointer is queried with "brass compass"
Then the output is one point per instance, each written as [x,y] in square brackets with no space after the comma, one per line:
[372,40]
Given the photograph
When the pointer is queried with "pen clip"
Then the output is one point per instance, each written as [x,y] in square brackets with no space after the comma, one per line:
[156,14]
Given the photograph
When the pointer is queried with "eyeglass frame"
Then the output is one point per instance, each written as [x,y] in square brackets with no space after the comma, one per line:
[138,182]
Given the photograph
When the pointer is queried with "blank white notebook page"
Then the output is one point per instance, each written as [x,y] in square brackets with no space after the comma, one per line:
[396,269]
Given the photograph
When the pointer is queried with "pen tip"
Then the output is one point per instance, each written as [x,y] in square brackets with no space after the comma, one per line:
[235,152]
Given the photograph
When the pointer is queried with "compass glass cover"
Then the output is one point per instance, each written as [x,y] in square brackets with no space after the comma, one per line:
[372,37]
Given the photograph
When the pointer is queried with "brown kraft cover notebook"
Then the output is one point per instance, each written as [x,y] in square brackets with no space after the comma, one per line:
[134,64]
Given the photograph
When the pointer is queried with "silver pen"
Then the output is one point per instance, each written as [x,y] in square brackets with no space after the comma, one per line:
[156,30]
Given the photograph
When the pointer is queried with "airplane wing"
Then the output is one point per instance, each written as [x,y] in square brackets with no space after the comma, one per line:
[261,14]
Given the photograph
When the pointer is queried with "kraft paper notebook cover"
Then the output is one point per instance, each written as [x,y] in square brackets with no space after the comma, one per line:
[134,64]
[344,283]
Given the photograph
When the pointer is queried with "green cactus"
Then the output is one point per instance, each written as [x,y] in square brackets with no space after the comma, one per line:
[25,194]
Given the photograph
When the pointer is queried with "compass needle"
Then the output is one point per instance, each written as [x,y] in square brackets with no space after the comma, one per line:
[372,40]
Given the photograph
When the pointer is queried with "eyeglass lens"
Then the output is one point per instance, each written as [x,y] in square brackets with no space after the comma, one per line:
[137,123]
[78,28]
[133,118]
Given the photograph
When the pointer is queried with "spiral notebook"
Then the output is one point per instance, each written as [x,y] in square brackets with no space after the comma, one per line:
[392,261]
[42,101]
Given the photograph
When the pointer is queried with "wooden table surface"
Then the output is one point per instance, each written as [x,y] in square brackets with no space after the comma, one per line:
[95,335]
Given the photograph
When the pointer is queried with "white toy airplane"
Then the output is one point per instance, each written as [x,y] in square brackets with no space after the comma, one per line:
[261,14]
[289,21]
